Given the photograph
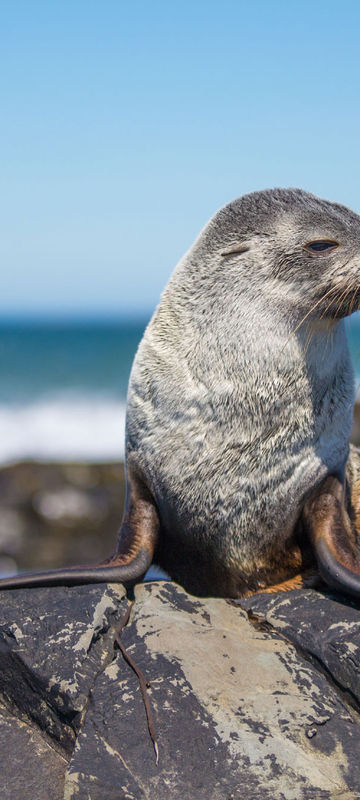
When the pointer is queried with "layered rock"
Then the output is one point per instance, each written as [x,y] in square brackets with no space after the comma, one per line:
[253,701]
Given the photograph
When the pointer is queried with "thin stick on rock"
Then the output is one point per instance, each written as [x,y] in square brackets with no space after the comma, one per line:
[142,681]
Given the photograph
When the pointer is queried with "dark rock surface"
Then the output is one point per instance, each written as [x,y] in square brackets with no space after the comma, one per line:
[259,701]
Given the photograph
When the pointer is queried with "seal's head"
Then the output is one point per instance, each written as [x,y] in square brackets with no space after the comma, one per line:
[304,249]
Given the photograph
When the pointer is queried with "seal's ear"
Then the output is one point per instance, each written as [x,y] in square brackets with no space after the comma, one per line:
[235,249]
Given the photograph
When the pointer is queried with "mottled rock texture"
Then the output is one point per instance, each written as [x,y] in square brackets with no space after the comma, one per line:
[254,701]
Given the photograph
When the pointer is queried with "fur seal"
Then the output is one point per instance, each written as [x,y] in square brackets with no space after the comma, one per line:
[239,473]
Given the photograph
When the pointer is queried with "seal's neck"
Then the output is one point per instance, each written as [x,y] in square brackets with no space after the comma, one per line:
[325,349]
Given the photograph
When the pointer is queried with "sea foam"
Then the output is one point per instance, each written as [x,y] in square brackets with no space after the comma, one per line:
[63,428]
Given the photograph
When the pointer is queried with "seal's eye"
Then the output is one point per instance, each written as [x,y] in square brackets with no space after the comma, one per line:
[321,246]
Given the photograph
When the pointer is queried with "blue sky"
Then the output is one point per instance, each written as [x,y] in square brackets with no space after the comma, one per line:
[124,126]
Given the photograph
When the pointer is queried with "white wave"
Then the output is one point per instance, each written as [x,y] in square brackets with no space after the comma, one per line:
[63,428]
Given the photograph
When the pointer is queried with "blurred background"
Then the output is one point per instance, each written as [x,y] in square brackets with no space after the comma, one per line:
[123,128]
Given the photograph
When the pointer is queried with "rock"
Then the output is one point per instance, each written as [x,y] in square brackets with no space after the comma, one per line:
[12,531]
[59,514]
[70,506]
[326,627]
[254,701]
[355,433]
[32,766]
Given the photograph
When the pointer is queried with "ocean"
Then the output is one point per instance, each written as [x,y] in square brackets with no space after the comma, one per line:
[63,387]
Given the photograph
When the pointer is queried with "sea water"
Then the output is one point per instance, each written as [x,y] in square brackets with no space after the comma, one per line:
[63,387]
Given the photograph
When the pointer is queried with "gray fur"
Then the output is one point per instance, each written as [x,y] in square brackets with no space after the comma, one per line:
[232,417]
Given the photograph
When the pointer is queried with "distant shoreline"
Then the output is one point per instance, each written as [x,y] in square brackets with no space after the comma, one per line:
[58,514]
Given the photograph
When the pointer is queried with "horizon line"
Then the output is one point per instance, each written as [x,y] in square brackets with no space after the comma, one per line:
[76,317]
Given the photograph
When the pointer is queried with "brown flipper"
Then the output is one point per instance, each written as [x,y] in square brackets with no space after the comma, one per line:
[333,537]
[137,542]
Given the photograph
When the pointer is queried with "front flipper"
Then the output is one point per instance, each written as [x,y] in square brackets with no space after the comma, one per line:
[333,537]
[138,538]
